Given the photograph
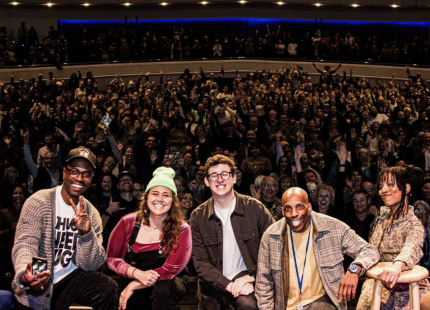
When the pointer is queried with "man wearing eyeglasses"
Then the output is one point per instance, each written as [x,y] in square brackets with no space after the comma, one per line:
[124,204]
[226,231]
[64,228]
[269,188]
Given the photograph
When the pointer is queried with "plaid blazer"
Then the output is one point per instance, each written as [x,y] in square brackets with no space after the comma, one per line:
[332,240]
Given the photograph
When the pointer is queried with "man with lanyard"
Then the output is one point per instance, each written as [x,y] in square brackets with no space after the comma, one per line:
[300,259]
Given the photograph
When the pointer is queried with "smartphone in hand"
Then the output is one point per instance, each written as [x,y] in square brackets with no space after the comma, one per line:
[38,265]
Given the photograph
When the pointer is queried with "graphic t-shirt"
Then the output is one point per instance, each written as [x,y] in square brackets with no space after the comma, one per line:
[65,238]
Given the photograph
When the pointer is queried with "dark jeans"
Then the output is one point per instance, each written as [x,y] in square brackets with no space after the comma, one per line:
[164,295]
[211,299]
[322,303]
[87,288]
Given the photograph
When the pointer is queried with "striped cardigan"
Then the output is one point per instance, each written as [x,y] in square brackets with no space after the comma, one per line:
[35,236]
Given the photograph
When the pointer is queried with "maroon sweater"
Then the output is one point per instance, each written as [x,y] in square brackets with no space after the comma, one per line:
[176,261]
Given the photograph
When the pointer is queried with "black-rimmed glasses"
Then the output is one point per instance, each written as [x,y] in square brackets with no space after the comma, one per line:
[74,173]
[213,177]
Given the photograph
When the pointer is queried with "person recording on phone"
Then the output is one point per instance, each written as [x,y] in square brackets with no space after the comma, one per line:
[60,227]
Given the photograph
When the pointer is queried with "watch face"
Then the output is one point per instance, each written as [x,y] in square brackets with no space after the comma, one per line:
[353,268]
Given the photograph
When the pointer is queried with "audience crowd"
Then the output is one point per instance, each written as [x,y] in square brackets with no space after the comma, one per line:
[331,138]
[140,41]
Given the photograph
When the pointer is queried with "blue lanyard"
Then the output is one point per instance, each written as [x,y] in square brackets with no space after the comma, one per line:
[300,279]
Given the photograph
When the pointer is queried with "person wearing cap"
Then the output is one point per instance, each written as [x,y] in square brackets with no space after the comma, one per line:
[124,204]
[64,228]
[150,248]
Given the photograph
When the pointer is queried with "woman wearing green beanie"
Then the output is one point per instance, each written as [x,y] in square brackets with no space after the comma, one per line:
[151,248]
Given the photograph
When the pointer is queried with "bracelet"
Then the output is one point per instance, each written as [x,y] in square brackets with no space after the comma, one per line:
[133,273]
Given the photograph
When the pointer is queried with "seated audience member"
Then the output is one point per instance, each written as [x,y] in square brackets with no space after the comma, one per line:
[198,187]
[138,189]
[50,146]
[315,275]
[150,249]
[9,216]
[422,212]
[399,235]
[188,204]
[256,164]
[123,204]
[46,176]
[226,232]
[360,219]
[267,195]
[72,260]
[105,191]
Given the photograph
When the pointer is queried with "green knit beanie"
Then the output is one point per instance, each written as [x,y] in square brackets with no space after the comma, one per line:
[163,177]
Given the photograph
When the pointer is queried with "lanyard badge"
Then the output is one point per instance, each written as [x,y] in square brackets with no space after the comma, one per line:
[300,279]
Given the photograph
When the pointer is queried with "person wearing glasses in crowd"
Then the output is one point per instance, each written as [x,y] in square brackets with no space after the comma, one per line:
[64,228]
[138,189]
[46,176]
[124,204]
[226,232]
[267,195]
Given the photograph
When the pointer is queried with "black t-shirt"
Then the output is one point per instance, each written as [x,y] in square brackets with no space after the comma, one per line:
[130,206]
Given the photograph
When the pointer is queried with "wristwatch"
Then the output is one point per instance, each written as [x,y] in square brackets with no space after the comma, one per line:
[355,269]
[107,213]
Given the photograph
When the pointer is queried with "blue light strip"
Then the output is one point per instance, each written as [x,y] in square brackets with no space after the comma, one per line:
[250,20]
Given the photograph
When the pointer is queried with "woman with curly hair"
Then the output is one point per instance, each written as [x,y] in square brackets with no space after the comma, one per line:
[151,248]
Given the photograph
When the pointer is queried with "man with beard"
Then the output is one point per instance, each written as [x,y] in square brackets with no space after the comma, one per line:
[376,117]
[198,187]
[244,150]
[46,176]
[62,227]
[256,165]
[49,147]
[125,203]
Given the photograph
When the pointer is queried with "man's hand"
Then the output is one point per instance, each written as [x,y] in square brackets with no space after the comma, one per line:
[38,282]
[255,193]
[347,287]
[114,206]
[236,287]
[298,153]
[82,222]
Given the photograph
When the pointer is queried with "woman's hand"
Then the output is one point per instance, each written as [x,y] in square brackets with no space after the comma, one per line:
[147,278]
[390,275]
[126,294]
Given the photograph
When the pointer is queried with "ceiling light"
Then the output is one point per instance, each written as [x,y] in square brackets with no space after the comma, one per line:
[280,3]
[163,3]
[394,6]
[49,4]
[14,3]
[318,4]
[204,2]
[355,5]
[127,4]
[242,1]
[86,4]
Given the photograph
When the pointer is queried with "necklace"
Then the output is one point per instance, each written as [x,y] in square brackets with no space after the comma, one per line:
[161,245]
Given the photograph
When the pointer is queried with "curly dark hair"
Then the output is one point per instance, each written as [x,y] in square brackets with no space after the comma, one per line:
[220,159]
[171,224]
